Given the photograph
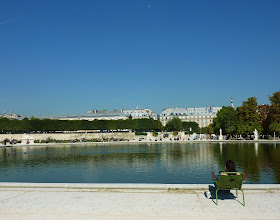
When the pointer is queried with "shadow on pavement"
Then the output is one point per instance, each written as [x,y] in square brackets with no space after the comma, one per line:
[222,194]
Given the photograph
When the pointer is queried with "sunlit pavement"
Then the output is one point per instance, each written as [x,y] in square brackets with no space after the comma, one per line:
[135,201]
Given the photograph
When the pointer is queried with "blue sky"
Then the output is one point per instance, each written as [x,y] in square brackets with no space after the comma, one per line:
[67,57]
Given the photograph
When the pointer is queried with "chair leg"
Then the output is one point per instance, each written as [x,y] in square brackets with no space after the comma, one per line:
[217,197]
[243,197]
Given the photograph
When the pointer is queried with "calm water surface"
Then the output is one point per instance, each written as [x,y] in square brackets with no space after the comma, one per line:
[138,163]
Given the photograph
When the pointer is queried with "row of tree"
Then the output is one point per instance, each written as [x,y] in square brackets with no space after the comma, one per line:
[242,120]
[49,125]
[248,117]
[176,124]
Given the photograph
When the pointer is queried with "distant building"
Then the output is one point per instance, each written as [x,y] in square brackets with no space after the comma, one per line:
[11,116]
[105,115]
[140,113]
[202,116]
[92,115]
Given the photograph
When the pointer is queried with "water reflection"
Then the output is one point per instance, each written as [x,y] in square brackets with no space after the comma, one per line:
[256,148]
[221,148]
[138,163]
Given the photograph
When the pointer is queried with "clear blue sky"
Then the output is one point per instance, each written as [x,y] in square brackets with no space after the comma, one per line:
[67,57]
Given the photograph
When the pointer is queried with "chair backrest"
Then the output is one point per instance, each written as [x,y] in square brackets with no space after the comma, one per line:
[230,180]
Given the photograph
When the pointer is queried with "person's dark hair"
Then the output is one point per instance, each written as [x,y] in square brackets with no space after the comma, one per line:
[230,166]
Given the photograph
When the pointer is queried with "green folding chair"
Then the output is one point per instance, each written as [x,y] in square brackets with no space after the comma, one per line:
[228,181]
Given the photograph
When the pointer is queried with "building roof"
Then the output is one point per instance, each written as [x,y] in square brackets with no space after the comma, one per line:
[97,115]
[191,111]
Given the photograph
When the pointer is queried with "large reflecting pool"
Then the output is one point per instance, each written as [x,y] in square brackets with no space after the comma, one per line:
[138,163]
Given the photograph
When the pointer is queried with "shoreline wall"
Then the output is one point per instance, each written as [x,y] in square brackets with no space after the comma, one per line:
[89,136]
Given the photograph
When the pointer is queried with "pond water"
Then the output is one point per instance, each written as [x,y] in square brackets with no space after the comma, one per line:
[138,163]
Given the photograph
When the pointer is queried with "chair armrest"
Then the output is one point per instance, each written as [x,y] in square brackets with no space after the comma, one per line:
[213,177]
[245,178]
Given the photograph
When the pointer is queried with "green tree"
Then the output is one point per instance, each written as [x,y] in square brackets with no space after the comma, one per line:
[4,124]
[210,129]
[275,127]
[226,120]
[174,124]
[193,125]
[275,98]
[248,114]
[35,124]
[263,111]
[157,125]
[49,125]
[26,125]
[273,117]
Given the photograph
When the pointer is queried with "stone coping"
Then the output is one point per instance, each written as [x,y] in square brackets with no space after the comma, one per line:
[129,186]
[142,142]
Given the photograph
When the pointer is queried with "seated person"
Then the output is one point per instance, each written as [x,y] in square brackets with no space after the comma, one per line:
[229,167]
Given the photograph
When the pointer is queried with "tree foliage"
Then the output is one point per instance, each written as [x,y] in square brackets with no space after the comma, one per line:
[249,117]
[263,111]
[275,98]
[174,124]
[49,125]
[226,120]
[210,129]
[193,125]
[273,117]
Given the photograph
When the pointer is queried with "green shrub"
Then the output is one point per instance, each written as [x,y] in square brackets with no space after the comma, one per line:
[140,133]
[155,134]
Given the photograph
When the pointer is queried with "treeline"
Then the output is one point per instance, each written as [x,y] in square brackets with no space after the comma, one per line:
[49,125]
[240,121]
[248,117]
[176,124]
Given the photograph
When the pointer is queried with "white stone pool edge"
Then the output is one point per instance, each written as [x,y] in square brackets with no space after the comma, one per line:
[128,186]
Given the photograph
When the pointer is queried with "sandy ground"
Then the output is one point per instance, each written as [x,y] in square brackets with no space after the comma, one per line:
[41,202]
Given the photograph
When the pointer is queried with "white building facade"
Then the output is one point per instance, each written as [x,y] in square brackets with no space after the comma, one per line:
[106,115]
[203,116]
[140,113]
